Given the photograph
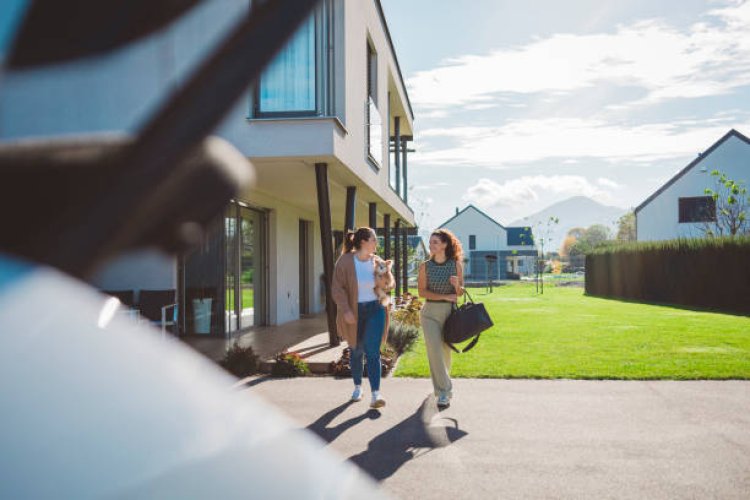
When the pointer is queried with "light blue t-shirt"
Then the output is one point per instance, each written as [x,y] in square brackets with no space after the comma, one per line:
[365,280]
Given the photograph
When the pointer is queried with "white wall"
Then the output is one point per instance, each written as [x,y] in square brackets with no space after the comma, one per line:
[489,236]
[659,219]
[362,23]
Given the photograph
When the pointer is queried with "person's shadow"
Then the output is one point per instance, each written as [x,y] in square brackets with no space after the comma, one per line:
[329,434]
[414,436]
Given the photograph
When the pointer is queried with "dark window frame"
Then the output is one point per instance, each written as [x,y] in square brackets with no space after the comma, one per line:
[696,209]
[472,242]
[324,74]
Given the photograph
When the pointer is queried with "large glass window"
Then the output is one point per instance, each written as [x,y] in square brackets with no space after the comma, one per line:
[296,81]
[697,209]
[374,121]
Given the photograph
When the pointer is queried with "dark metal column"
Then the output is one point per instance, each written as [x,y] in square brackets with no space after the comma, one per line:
[405,259]
[397,256]
[374,216]
[397,152]
[403,170]
[351,201]
[386,236]
[326,242]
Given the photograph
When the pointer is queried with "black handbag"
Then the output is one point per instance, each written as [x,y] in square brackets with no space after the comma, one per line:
[466,321]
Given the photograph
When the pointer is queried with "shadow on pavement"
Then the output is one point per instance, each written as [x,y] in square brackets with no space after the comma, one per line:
[329,434]
[418,434]
[248,382]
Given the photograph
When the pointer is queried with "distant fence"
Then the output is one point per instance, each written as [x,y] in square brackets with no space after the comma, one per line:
[703,273]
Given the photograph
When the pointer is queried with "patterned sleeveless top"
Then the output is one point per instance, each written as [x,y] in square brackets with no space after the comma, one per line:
[438,276]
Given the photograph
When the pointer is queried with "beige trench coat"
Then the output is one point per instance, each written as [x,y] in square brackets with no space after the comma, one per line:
[344,290]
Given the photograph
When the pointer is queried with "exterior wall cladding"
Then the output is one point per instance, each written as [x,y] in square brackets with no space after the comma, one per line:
[116,93]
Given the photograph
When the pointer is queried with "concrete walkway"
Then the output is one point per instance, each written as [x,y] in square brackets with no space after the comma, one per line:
[535,439]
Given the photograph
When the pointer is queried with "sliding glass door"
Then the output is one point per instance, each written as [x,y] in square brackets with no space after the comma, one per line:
[245,267]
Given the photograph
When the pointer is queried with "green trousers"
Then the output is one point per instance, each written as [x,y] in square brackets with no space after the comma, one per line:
[433,317]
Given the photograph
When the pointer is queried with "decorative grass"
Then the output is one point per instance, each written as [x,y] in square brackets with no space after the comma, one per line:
[565,334]
[676,244]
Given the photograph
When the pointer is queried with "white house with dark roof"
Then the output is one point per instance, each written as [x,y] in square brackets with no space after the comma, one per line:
[680,208]
[491,250]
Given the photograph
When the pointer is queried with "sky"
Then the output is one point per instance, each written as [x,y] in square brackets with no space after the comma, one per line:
[520,104]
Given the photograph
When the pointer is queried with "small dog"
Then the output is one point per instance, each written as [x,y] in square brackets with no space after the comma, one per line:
[384,281]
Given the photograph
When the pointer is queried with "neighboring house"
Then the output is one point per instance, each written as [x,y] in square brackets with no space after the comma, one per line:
[490,249]
[417,254]
[680,208]
[326,112]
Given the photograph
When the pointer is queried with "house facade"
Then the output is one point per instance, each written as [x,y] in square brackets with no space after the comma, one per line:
[492,251]
[681,208]
[325,127]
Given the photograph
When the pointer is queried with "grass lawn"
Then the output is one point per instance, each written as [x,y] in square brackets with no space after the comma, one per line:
[565,334]
[248,299]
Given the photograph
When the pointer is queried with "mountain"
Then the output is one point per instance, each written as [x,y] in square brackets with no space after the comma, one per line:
[578,211]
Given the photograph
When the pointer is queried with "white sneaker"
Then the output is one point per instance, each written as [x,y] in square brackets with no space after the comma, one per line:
[377,400]
[357,394]
[443,401]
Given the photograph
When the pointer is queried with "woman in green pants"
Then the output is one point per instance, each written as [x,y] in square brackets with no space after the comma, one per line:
[440,282]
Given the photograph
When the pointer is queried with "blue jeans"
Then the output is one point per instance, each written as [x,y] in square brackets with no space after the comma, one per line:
[370,324]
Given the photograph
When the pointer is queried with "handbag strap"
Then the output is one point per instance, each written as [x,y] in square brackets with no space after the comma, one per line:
[466,295]
[468,347]
[472,344]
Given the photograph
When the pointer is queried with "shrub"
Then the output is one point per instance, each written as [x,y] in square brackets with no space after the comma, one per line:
[402,336]
[240,361]
[388,357]
[343,368]
[407,309]
[709,273]
[289,364]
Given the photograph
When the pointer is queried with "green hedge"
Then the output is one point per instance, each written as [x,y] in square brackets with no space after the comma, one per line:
[711,273]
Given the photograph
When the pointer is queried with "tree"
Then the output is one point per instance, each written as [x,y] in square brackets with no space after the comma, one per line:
[542,231]
[731,207]
[626,227]
[577,232]
[596,234]
[588,240]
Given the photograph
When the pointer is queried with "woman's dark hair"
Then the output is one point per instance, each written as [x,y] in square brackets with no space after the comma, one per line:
[453,249]
[353,240]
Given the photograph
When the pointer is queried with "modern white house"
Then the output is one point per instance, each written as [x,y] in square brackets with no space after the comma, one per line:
[419,254]
[681,208]
[491,250]
[326,129]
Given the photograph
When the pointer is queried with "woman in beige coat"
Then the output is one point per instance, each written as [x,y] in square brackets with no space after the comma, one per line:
[361,319]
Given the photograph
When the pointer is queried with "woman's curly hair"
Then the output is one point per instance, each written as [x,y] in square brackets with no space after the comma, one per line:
[453,249]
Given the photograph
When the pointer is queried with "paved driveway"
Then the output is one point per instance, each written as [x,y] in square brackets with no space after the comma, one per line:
[536,439]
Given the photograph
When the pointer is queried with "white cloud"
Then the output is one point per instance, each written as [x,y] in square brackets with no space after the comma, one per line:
[428,187]
[703,60]
[528,189]
[529,140]
[607,183]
